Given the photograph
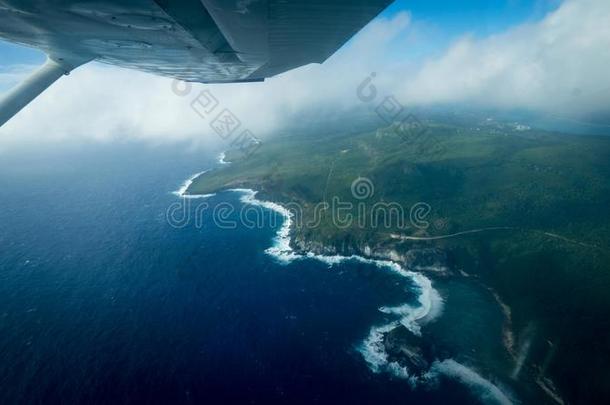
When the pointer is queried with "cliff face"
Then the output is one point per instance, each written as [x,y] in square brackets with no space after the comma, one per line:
[415,256]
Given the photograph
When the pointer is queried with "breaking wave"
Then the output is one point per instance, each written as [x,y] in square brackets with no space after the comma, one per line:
[429,306]
[221,158]
[429,302]
[181,192]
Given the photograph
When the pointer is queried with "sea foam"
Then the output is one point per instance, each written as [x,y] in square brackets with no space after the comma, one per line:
[280,249]
[221,158]
[372,349]
[429,302]
[187,183]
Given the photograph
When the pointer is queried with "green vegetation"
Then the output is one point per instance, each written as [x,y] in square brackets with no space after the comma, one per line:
[552,267]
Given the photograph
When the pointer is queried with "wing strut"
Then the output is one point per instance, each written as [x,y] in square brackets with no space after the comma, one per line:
[43,77]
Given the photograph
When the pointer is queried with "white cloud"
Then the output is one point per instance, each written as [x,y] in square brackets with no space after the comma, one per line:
[557,64]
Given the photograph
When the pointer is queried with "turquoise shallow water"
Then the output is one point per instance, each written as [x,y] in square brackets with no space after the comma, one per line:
[102,301]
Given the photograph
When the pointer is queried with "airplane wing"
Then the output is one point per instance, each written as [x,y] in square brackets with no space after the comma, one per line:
[208,41]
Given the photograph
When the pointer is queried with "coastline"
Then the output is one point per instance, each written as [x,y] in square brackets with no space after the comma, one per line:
[181,192]
[412,317]
[537,240]
[373,348]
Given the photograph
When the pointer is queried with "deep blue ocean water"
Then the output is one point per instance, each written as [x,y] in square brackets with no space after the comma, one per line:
[103,301]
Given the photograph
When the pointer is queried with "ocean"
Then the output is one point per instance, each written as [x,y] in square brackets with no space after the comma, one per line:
[116,290]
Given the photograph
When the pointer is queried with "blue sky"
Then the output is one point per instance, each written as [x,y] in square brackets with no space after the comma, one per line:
[481,17]
[15,54]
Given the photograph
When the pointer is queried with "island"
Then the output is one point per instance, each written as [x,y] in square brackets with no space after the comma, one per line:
[520,212]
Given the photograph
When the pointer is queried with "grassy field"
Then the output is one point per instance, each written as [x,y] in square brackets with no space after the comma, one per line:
[551,192]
